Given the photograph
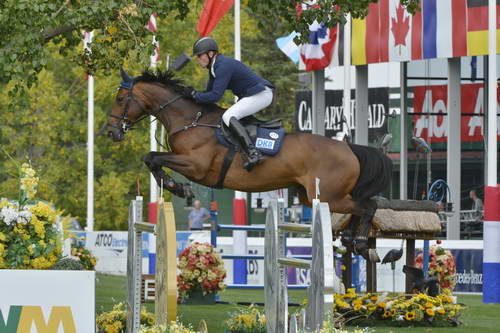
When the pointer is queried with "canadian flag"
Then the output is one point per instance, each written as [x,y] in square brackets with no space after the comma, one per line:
[213,11]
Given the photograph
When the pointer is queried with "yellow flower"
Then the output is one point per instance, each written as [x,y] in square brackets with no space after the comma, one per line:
[441,311]
[429,312]
[372,307]
[429,305]
[381,305]
[374,298]
[357,307]
[410,315]
[357,301]
[2,237]
[386,314]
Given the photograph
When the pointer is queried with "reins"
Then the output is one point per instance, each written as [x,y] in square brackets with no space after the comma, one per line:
[126,124]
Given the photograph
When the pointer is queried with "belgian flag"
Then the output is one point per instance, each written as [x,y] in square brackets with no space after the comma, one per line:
[477,27]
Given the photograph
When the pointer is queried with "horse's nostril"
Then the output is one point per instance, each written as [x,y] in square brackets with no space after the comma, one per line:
[110,134]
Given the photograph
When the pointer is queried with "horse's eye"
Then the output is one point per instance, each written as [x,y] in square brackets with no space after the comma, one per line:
[119,99]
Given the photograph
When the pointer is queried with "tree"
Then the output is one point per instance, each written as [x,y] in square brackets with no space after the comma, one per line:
[27,26]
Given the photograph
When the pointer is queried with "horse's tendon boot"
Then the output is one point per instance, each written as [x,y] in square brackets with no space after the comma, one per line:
[361,248]
[348,240]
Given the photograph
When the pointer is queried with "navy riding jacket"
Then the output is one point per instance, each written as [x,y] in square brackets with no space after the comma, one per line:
[228,73]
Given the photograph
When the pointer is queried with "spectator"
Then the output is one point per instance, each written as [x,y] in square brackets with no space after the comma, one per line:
[197,216]
[477,205]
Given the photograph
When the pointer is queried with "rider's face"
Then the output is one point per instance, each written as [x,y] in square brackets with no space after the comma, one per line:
[203,60]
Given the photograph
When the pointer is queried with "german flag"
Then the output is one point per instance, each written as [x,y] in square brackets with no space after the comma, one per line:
[477,27]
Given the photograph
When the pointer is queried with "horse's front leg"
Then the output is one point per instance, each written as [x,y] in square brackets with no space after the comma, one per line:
[156,160]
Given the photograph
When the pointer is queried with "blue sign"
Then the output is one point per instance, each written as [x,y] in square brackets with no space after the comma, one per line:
[469,270]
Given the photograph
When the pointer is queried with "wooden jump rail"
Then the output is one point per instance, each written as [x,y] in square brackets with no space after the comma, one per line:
[166,264]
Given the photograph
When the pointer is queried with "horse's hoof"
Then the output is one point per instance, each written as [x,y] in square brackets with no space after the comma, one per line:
[373,255]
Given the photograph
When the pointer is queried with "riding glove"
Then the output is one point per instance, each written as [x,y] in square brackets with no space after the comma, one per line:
[189,92]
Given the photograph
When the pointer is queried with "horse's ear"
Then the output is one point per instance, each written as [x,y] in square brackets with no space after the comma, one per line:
[125,76]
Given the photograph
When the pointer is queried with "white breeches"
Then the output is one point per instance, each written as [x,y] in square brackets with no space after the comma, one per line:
[248,105]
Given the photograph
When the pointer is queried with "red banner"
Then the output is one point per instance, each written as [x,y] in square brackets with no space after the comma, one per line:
[434,99]
[213,11]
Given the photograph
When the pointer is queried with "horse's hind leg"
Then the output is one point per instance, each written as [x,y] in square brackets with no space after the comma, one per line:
[368,208]
[349,232]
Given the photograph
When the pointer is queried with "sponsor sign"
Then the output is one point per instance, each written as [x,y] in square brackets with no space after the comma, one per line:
[110,247]
[469,270]
[434,99]
[378,109]
[47,301]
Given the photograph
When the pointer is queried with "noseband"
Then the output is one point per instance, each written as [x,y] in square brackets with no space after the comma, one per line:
[126,124]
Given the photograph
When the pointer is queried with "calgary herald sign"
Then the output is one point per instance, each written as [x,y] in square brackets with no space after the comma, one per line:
[378,109]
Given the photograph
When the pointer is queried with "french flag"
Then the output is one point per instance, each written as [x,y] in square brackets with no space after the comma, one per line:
[439,30]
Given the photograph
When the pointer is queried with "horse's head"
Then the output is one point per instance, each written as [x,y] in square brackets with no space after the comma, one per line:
[126,110]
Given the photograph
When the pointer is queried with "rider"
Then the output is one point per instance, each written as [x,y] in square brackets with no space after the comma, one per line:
[254,93]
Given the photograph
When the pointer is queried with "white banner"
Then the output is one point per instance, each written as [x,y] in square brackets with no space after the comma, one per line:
[110,248]
[33,301]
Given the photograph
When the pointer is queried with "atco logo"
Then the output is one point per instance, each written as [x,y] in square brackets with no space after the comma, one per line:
[22,319]
[104,240]
[274,135]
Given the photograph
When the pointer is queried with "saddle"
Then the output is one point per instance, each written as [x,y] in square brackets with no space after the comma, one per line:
[267,135]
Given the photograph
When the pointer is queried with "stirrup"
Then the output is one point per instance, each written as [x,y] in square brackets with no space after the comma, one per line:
[252,159]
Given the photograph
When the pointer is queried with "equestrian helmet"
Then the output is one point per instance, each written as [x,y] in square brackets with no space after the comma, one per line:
[203,45]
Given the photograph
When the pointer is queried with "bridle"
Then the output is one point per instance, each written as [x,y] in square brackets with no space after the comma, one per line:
[126,124]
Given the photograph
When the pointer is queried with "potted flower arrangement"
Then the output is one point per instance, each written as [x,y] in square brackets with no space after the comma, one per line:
[400,310]
[441,265]
[86,257]
[246,320]
[115,321]
[173,327]
[29,238]
[201,274]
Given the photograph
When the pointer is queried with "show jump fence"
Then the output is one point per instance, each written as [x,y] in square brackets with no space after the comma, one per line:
[166,263]
[324,281]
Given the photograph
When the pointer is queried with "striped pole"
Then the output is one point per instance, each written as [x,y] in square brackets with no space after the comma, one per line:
[491,230]
[153,205]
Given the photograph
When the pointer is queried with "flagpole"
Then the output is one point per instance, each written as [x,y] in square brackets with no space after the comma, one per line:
[239,202]
[90,141]
[491,255]
[153,187]
[347,73]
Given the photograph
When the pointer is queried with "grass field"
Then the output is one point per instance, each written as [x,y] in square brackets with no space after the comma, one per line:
[478,318]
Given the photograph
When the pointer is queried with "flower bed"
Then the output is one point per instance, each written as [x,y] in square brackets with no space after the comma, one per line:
[29,238]
[201,269]
[399,310]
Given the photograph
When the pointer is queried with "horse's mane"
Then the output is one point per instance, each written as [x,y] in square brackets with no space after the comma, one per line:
[167,79]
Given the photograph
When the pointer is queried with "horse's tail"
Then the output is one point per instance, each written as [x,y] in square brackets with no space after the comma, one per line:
[375,172]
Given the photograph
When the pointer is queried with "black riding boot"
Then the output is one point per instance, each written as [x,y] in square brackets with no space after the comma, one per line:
[253,156]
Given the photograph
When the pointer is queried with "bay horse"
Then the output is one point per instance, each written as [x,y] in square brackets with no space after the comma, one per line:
[349,174]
